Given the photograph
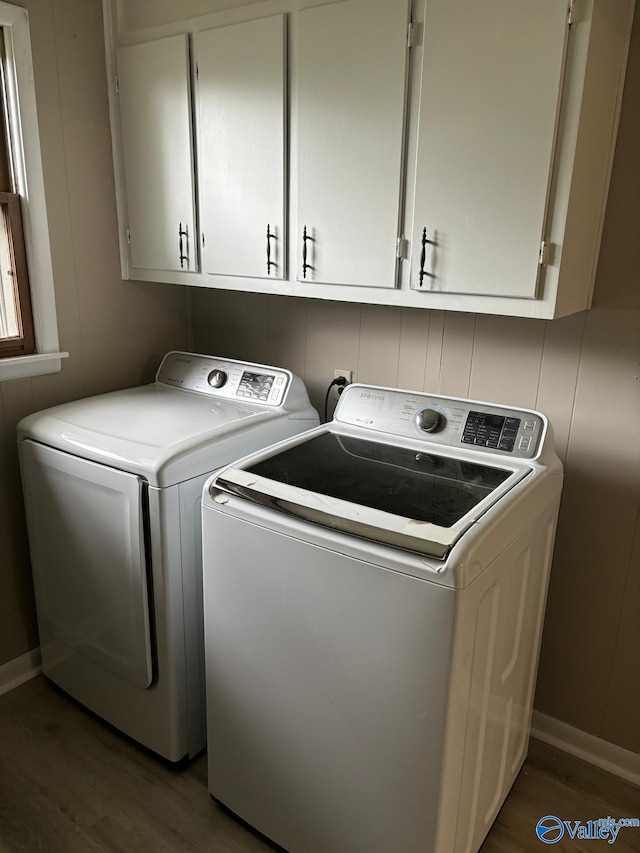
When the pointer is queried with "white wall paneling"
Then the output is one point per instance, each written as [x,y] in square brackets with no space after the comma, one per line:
[414,326]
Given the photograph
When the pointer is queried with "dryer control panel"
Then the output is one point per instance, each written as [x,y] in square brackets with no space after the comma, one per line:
[447,421]
[221,377]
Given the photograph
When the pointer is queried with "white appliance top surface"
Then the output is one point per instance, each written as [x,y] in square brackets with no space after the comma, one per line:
[177,418]
[407,469]
[152,415]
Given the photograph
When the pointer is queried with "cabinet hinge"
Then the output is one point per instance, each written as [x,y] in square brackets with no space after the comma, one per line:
[128,236]
[202,236]
[400,247]
[571,14]
[117,85]
[545,251]
[410,31]
[197,72]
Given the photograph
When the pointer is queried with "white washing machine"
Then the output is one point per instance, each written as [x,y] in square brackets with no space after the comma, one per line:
[374,593]
[112,489]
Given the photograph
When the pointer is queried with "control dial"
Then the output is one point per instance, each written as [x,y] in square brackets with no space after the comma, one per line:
[217,378]
[430,420]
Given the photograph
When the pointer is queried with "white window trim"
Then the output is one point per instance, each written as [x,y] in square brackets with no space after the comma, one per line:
[48,357]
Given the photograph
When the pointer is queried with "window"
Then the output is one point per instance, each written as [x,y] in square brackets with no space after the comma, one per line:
[16,321]
[28,326]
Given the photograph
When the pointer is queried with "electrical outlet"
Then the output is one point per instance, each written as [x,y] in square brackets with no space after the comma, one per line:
[348,374]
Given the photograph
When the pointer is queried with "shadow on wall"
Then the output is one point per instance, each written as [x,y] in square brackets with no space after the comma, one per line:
[618,278]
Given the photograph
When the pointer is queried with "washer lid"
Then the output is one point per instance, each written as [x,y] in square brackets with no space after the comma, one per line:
[419,500]
[154,430]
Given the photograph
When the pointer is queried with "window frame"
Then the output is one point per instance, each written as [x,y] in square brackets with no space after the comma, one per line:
[29,181]
[12,215]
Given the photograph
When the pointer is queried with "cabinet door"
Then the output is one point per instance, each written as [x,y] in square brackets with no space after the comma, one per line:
[241,136]
[490,95]
[155,115]
[352,59]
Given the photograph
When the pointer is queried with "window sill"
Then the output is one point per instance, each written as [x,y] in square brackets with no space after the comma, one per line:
[25,366]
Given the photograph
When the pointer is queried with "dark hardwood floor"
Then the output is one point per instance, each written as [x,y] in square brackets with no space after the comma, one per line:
[70,784]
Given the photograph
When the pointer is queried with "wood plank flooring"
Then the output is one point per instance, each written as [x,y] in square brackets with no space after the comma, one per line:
[70,784]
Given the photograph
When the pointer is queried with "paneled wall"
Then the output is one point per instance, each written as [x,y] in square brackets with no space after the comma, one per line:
[583,371]
[115,332]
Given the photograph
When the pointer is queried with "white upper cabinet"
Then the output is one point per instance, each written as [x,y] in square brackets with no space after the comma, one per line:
[425,153]
[491,81]
[241,109]
[515,109]
[351,73]
[155,119]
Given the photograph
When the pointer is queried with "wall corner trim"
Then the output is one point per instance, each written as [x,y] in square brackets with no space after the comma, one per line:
[17,671]
[615,759]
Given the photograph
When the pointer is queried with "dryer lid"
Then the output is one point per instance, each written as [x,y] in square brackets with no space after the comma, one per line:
[200,413]
[152,416]
[146,429]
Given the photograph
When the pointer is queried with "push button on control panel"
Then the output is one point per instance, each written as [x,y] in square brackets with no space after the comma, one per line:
[493,431]
[509,433]
[255,385]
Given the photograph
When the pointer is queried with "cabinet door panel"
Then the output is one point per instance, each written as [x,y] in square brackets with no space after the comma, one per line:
[155,115]
[241,116]
[89,563]
[351,99]
[491,84]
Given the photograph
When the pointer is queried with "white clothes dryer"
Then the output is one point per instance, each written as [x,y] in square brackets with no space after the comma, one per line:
[112,488]
[374,593]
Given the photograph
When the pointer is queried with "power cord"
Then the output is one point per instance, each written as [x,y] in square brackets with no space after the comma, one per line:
[341,382]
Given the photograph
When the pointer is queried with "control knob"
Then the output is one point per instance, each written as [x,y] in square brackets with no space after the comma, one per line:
[430,420]
[217,378]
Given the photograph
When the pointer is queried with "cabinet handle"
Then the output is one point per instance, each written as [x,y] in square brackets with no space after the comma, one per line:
[305,265]
[423,255]
[270,237]
[183,232]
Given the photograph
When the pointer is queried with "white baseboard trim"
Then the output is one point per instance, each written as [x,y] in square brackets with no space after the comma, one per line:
[608,756]
[17,671]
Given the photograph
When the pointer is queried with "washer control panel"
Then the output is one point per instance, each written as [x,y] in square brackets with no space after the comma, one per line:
[496,431]
[443,420]
[219,377]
